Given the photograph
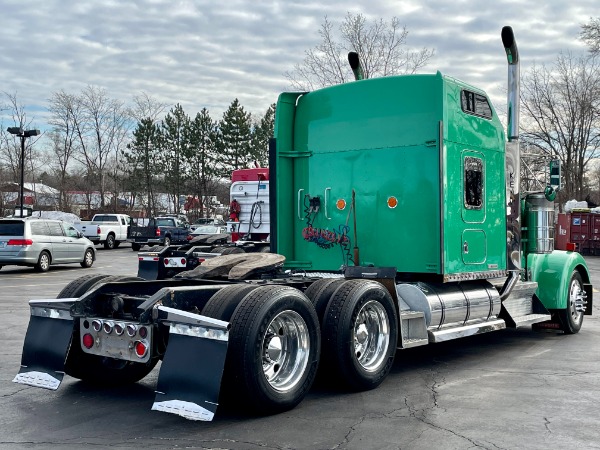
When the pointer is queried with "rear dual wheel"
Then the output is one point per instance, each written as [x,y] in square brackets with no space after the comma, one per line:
[274,346]
[360,334]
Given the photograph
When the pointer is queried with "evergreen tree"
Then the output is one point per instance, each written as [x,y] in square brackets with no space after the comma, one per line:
[176,151]
[141,158]
[235,140]
[263,132]
[202,140]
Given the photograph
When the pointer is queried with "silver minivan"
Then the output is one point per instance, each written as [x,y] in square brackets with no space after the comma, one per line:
[41,242]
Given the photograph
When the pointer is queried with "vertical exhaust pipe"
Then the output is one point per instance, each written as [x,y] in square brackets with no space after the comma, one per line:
[356,66]
[512,164]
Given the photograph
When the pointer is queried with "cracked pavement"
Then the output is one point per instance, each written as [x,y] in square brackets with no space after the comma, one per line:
[503,390]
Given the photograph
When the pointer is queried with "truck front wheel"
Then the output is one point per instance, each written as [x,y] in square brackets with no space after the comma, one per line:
[273,350]
[571,318]
[359,335]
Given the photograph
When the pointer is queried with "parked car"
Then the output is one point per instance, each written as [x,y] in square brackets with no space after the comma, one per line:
[41,243]
[206,221]
[209,230]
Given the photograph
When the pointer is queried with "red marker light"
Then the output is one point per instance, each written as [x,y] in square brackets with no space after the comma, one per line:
[166,261]
[141,349]
[88,340]
[570,247]
[183,261]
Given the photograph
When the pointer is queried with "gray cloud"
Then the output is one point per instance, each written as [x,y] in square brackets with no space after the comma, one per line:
[205,54]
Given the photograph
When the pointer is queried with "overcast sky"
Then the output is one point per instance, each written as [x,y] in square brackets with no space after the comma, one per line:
[205,54]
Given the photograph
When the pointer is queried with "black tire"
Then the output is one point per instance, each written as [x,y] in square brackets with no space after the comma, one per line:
[267,314]
[320,293]
[136,247]
[114,278]
[232,250]
[217,249]
[80,286]
[571,319]
[109,244]
[355,364]
[88,258]
[265,249]
[44,261]
[223,303]
[167,241]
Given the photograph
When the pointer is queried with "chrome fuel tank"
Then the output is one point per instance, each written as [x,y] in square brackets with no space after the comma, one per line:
[453,304]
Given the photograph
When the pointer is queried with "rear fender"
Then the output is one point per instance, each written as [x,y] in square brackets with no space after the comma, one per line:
[46,343]
[552,272]
[190,375]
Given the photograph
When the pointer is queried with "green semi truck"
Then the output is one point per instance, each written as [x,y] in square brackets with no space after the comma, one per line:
[396,222]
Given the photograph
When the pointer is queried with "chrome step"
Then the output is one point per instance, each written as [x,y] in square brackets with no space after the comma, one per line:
[448,334]
[413,329]
[529,319]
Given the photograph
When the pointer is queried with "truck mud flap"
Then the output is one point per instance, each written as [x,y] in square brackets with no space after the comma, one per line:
[190,375]
[46,344]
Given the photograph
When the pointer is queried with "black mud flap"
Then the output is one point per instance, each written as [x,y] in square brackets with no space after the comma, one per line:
[45,349]
[190,375]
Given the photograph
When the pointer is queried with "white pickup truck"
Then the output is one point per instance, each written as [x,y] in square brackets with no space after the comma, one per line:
[106,229]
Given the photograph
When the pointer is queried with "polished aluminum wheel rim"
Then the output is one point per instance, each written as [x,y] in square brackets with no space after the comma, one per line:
[285,350]
[44,262]
[89,258]
[371,336]
[576,301]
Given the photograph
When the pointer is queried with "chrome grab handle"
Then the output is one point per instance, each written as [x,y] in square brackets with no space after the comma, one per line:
[300,191]
[326,202]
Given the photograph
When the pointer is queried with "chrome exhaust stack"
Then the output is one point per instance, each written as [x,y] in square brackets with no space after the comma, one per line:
[356,66]
[513,164]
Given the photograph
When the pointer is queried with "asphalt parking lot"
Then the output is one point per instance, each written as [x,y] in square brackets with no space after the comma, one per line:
[504,390]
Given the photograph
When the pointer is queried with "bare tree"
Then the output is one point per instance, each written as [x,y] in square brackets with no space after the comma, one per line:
[381,45]
[146,107]
[65,112]
[10,145]
[562,105]
[101,132]
[590,34]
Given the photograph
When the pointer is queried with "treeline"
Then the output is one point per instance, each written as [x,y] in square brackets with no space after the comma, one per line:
[94,143]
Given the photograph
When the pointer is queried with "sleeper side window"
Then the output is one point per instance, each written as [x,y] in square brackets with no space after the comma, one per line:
[473,188]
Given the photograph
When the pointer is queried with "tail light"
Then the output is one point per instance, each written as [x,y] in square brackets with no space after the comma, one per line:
[108,327]
[141,348]
[183,261]
[98,231]
[19,242]
[158,231]
[119,329]
[189,237]
[88,340]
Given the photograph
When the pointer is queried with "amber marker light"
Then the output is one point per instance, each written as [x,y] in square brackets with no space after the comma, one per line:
[341,204]
[392,202]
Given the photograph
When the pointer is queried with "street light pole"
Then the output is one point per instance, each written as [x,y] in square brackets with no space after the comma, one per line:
[19,132]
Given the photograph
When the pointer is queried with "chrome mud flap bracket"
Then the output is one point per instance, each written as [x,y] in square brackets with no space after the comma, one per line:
[190,375]
[46,343]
